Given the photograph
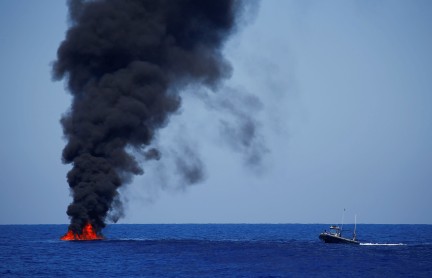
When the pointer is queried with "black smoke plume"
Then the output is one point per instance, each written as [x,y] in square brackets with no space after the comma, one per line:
[125,62]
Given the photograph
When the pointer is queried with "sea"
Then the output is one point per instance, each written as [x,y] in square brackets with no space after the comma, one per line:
[216,250]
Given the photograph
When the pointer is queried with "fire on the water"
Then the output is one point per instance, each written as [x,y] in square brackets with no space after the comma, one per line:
[88,233]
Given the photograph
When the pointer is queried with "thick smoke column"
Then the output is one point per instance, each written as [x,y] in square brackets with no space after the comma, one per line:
[125,62]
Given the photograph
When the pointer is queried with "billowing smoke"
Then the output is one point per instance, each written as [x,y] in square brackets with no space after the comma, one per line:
[125,62]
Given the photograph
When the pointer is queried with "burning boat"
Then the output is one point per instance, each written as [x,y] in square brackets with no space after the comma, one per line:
[87,233]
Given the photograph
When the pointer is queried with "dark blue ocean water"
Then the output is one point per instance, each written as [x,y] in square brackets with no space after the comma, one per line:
[213,250]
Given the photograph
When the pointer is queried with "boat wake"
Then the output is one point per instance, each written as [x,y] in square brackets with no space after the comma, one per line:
[382,244]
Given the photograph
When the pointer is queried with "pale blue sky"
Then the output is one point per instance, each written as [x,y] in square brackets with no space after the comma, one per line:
[346,92]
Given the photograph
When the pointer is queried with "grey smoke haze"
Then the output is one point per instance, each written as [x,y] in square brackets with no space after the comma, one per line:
[125,63]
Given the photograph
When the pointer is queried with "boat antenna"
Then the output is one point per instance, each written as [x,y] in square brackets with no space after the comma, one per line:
[343,214]
[355,226]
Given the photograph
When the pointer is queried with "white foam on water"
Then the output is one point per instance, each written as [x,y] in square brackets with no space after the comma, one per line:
[382,244]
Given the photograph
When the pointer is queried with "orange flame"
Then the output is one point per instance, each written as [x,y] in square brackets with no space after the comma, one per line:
[88,233]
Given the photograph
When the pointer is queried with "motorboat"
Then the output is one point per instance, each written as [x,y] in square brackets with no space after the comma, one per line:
[335,236]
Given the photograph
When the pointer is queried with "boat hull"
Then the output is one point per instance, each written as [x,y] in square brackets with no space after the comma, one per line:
[329,238]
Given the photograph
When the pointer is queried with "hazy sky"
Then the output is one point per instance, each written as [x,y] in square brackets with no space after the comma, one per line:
[345,91]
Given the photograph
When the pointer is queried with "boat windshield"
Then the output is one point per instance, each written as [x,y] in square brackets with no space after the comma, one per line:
[335,230]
